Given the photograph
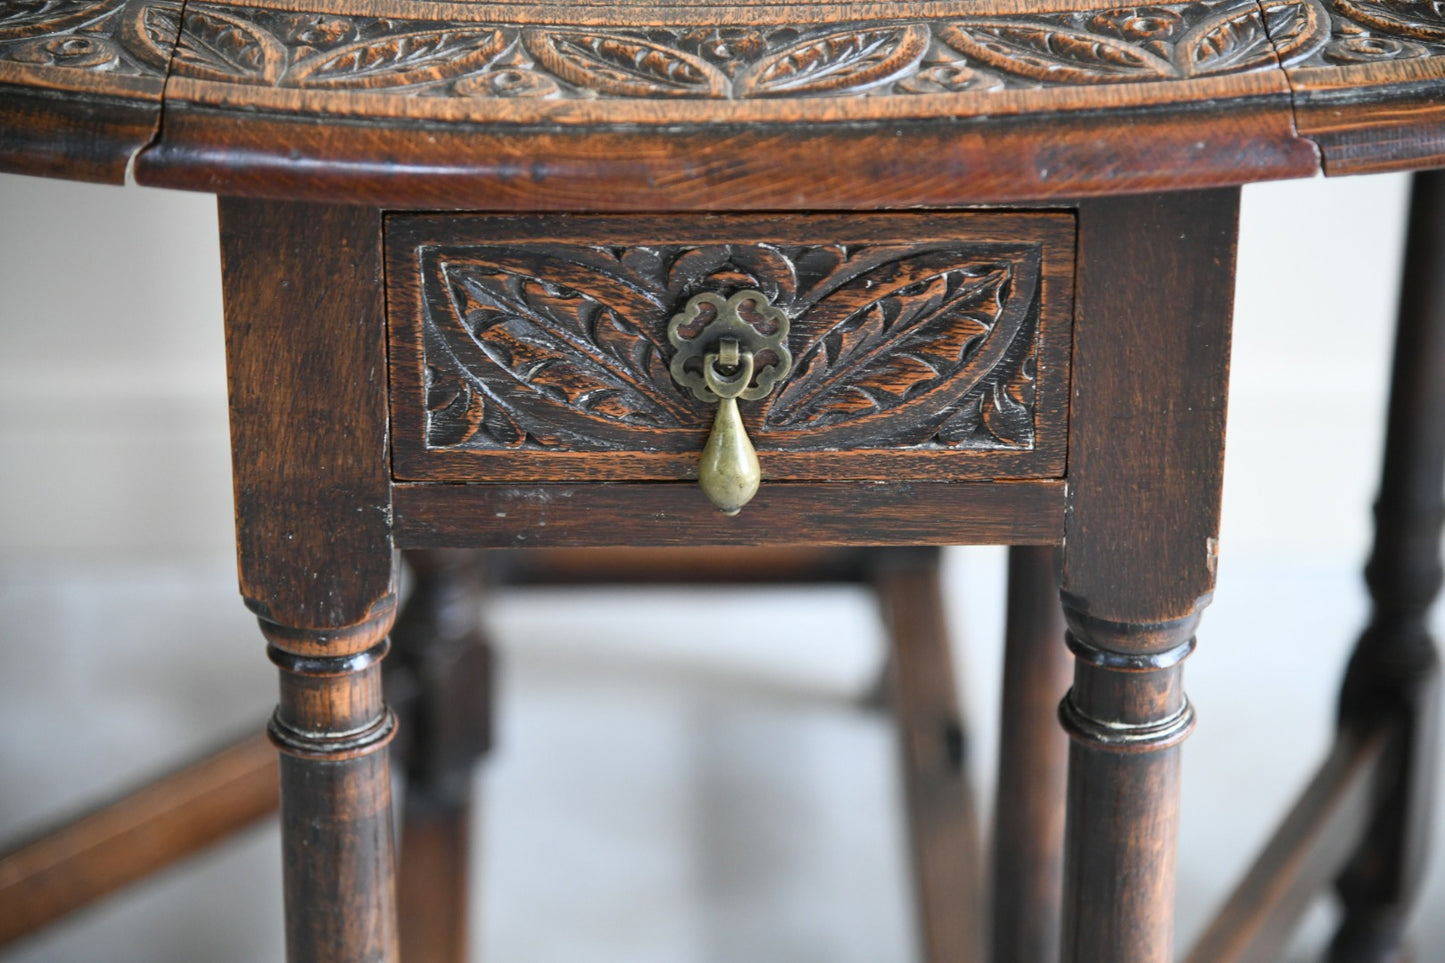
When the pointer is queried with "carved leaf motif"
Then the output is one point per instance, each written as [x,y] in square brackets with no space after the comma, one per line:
[1008,409]
[1053,54]
[454,411]
[1419,19]
[541,343]
[1297,28]
[399,60]
[149,31]
[32,18]
[892,349]
[624,66]
[838,62]
[218,46]
[567,344]
[1232,41]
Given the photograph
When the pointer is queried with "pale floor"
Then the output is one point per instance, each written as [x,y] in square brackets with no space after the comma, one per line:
[680,777]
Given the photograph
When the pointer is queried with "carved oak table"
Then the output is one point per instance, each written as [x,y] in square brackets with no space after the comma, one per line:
[874,273]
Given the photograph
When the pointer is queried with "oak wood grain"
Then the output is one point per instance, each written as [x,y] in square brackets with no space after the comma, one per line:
[1028,833]
[532,107]
[757,167]
[674,513]
[305,339]
[139,834]
[1155,295]
[78,97]
[943,827]
[923,345]
[304,346]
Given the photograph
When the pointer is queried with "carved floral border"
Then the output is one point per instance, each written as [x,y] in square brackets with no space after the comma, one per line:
[427,58]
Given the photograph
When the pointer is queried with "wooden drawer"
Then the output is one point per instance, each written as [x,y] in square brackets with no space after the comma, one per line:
[924,345]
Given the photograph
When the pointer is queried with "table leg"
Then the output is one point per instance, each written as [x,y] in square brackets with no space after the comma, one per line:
[1394,674]
[1028,847]
[444,661]
[1151,358]
[304,335]
[942,816]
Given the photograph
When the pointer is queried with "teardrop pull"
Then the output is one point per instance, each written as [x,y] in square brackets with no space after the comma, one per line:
[729,471]
[741,353]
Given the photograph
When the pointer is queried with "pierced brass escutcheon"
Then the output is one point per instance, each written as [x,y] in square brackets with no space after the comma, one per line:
[729,350]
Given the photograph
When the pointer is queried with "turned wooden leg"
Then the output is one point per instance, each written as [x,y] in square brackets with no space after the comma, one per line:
[1151,356]
[336,834]
[942,815]
[443,660]
[304,330]
[1028,840]
[1394,674]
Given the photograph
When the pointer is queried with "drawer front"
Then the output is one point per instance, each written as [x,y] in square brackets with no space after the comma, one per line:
[925,345]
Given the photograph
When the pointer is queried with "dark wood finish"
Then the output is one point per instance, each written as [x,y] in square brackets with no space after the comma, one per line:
[1367,91]
[1028,833]
[1394,674]
[942,814]
[1315,841]
[677,513]
[337,845]
[1146,446]
[634,106]
[80,85]
[159,824]
[637,106]
[923,345]
[434,881]
[441,671]
[631,106]
[305,329]
[85,140]
[304,335]
[927,163]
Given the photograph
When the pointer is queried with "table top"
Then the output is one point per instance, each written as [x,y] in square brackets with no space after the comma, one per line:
[695,105]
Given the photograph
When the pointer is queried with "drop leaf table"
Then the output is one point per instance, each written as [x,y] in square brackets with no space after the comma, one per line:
[771,274]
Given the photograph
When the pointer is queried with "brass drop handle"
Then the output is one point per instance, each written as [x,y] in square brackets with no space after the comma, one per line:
[729,472]
[729,350]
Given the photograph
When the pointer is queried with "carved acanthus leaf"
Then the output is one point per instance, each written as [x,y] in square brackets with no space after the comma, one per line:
[1415,19]
[35,18]
[259,45]
[893,349]
[149,32]
[1053,54]
[1230,42]
[851,60]
[559,344]
[1297,28]
[218,46]
[624,66]
[568,347]
[422,56]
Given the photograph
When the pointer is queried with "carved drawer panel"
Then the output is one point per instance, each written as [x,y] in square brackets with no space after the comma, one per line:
[923,345]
